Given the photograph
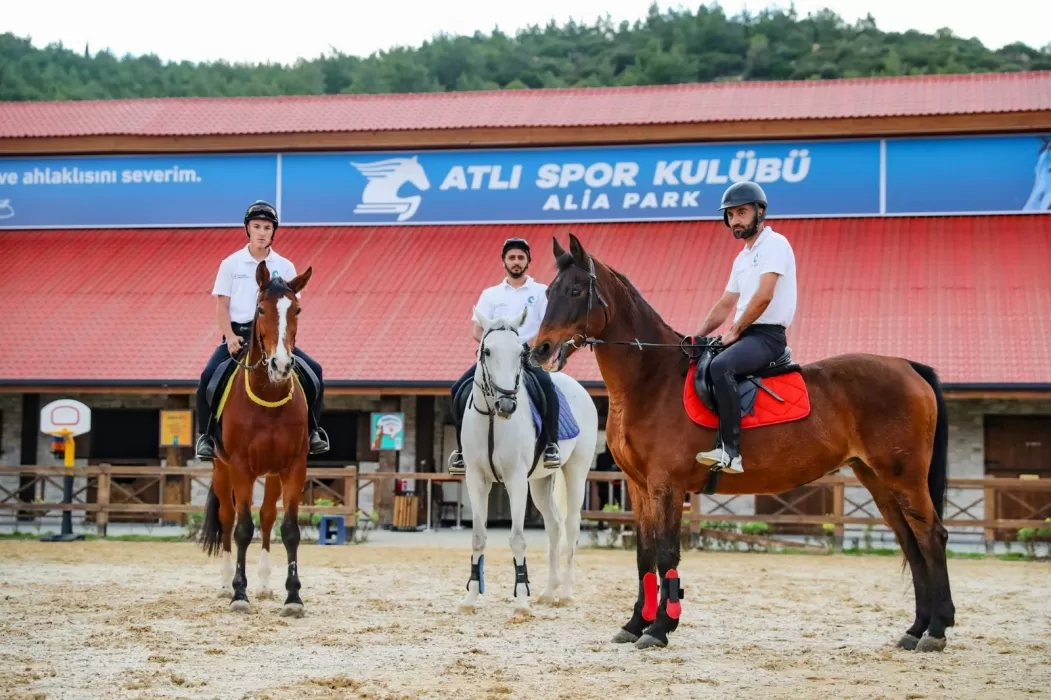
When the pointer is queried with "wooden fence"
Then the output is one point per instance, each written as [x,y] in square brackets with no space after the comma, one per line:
[999,507]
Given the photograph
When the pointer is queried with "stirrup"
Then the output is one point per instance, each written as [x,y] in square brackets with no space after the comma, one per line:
[205,448]
[552,455]
[318,441]
[456,463]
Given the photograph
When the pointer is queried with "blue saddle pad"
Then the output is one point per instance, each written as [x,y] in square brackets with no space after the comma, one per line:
[567,422]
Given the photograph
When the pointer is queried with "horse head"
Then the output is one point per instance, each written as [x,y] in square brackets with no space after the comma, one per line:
[576,309]
[500,358]
[277,312]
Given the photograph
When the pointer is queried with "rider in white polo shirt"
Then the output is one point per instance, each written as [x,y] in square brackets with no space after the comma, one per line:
[506,300]
[763,287]
[237,293]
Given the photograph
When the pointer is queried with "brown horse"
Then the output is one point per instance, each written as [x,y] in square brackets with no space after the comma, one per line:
[264,432]
[883,416]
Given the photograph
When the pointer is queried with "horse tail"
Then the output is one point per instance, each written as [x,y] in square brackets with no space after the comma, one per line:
[212,529]
[562,503]
[936,476]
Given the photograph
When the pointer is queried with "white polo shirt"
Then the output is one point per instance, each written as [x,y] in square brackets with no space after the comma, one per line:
[504,301]
[236,279]
[771,253]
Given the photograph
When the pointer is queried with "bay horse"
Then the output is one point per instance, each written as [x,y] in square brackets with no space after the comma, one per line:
[264,432]
[884,416]
[501,444]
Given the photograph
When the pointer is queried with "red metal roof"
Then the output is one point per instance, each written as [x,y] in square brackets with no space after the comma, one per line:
[969,295]
[662,104]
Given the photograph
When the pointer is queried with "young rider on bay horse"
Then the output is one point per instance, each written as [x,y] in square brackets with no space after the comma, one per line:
[507,299]
[236,291]
[763,286]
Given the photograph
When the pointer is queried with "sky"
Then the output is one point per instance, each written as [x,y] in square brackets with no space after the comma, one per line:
[282,31]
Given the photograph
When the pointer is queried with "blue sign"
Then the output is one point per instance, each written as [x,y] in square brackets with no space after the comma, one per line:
[865,177]
[975,175]
[665,182]
[133,191]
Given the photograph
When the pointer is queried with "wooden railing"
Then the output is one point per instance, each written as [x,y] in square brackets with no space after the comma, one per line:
[1027,502]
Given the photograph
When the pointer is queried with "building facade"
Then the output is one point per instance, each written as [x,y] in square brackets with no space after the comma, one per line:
[919,209]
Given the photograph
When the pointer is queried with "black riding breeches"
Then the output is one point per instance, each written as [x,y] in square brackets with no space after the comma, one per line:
[550,418]
[758,346]
[318,404]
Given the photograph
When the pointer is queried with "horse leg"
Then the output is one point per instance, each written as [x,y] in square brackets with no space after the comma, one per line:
[892,513]
[574,480]
[646,558]
[292,487]
[917,508]
[243,536]
[517,492]
[267,518]
[478,491]
[548,507]
[667,503]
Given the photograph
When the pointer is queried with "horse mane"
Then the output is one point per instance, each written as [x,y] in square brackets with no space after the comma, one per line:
[641,300]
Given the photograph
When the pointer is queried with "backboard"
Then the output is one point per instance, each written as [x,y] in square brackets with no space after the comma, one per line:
[65,413]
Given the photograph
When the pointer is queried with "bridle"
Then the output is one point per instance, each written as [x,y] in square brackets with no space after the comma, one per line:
[492,391]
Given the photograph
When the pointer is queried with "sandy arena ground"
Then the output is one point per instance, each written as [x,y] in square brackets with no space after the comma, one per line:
[139,620]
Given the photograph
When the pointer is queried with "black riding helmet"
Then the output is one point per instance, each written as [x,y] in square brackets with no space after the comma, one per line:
[519,243]
[261,210]
[744,193]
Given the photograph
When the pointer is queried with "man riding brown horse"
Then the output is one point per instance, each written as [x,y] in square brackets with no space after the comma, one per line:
[762,285]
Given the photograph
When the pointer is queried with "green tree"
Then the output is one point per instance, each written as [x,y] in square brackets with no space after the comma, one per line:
[664,47]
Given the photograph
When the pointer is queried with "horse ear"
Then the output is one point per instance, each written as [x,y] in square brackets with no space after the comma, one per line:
[262,275]
[558,250]
[300,281]
[517,323]
[481,318]
[579,254]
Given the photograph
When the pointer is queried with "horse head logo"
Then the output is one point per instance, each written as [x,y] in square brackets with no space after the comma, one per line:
[1040,197]
[386,177]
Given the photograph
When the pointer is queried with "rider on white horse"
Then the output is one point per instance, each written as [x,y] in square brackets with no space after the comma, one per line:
[518,291]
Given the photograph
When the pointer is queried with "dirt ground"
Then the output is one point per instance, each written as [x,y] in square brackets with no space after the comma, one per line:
[141,620]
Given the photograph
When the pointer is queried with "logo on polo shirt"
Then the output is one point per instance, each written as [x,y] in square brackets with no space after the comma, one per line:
[531,299]
[755,260]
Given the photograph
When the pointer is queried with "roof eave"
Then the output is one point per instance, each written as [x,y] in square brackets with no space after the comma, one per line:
[761,129]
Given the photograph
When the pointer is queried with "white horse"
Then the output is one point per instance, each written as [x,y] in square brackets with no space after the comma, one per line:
[500,403]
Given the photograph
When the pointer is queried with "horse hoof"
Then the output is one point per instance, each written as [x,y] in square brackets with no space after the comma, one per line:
[265,594]
[240,606]
[565,601]
[646,641]
[293,610]
[908,642]
[546,599]
[931,644]
[624,637]
[522,612]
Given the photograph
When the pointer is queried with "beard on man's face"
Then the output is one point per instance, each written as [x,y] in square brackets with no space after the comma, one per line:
[516,270]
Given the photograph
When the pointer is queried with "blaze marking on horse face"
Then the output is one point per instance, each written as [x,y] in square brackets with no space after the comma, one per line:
[281,352]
